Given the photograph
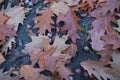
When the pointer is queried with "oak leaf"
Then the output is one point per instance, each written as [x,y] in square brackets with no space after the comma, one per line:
[60,45]
[90,2]
[37,42]
[1,1]
[63,71]
[51,1]
[44,20]
[71,2]
[16,15]
[106,54]
[7,77]
[71,24]
[2,59]
[59,7]
[6,30]
[7,45]
[30,73]
[96,39]
[71,50]
[113,39]
[100,69]
[3,18]
[110,5]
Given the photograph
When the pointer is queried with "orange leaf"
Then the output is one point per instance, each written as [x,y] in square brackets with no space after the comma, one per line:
[44,20]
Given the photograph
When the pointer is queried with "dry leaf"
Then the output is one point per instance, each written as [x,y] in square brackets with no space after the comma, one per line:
[6,30]
[7,77]
[97,43]
[37,42]
[71,24]
[2,59]
[90,2]
[50,1]
[7,45]
[1,1]
[110,5]
[3,18]
[30,73]
[16,14]
[113,39]
[71,50]
[100,69]
[44,20]
[64,72]
[59,7]
[106,54]
[60,45]
[71,2]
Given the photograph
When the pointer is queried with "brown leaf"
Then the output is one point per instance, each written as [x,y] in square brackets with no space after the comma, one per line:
[71,24]
[1,1]
[97,43]
[16,15]
[59,7]
[90,2]
[50,1]
[3,18]
[106,70]
[2,59]
[71,2]
[106,54]
[6,76]
[71,50]
[6,30]
[37,42]
[64,72]
[112,38]
[110,5]
[102,21]
[44,20]
[30,73]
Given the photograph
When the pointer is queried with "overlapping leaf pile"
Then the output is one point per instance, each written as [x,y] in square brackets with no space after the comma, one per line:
[49,50]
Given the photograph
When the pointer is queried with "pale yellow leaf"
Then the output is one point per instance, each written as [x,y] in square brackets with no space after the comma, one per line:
[59,7]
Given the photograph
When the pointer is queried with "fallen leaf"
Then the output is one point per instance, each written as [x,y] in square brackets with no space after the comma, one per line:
[96,39]
[6,30]
[99,69]
[59,7]
[112,38]
[2,59]
[1,1]
[106,54]
[71,2]
[7,77]
[90,2]
[16,15]
[110,5]
[7,45]
[44,21]
[71,24]
[3,18]
[60,45]
[71,50]
[64,72]
[37,42]
[30,73]
[50,1]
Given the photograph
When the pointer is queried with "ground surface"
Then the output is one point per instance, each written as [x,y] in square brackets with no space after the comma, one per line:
[23,39]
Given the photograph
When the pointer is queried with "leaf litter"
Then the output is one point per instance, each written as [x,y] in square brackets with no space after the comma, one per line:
[59,37]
